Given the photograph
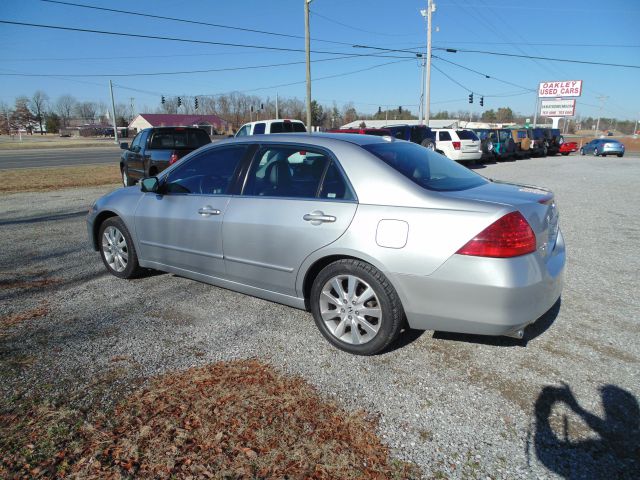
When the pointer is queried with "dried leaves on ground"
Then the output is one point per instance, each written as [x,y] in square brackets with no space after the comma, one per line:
[238,419]
[56,178]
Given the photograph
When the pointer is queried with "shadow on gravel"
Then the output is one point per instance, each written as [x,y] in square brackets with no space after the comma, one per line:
[407,337]
[477,166]
[43,218]
[532,331]
[607,447]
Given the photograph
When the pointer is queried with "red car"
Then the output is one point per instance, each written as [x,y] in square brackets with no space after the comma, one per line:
[380,132]
[567,147]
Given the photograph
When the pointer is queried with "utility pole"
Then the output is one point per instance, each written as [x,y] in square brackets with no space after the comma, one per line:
[431,7]
[277,114]
[635,129]
[535,113]
[307,43]
[113,113]
[132,106]
[602,99]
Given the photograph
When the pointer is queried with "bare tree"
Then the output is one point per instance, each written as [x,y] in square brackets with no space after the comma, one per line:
[65,105]
[5,113]
[39,102]
[22,117]
[86,111]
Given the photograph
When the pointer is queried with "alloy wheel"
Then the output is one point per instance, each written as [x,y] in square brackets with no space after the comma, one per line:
[350,309]
[114,249]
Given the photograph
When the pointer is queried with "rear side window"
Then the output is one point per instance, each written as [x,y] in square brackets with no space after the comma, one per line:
[504,135]
[209,173]
[466,135]
[287,127]
[244,131]
[444,136]
[286,171]
[177,139]
[258,128]
[428,169]
[334,186]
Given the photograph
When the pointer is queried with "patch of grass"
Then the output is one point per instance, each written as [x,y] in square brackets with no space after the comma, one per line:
[56,178]
[238,419]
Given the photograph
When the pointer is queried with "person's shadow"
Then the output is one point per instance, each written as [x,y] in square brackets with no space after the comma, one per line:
[615,454]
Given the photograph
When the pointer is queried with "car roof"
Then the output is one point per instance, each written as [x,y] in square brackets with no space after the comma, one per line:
[273,120]
[318,139]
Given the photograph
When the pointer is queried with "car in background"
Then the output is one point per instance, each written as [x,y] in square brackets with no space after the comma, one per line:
[369,233]
[261,127]
[459,144]
[380,132]
[603,147]
[154,149]
[503,146]
[486,144]
[522,141]
[554,139]
[539,141]
[568,147]
[420,134]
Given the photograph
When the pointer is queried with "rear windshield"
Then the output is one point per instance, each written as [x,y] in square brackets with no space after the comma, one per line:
[179,138]
[466,135]
[482,134]
[428,169]
[287,127]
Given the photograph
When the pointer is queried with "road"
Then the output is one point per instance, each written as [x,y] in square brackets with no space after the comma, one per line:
[56,157]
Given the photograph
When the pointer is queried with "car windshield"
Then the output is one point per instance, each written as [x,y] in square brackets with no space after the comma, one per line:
[615,142]
[466,135]
[428,169]
[179,138]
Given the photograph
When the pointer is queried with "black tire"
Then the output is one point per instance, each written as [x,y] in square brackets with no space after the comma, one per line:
[428,143]
[126,179]
[595,152]
[582,151]
[132,268]
[545,150]
[392,314]
[564,154]
[620,155]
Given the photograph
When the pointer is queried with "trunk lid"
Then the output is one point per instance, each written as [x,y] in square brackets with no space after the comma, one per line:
[536,204]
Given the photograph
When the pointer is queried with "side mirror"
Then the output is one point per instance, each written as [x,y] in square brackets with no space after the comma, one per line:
[124,146]
[149,184]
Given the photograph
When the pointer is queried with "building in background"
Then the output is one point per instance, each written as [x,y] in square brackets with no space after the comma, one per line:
[212,124]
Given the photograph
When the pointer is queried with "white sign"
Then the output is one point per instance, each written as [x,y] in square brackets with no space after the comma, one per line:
[558,108]
[568,88]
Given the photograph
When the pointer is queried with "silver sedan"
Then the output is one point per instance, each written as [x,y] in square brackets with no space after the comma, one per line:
[370,234]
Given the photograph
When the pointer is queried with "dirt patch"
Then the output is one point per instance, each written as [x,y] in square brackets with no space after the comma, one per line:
[237,419]
[10,284]
[57,178]
[608,351]
[16,318]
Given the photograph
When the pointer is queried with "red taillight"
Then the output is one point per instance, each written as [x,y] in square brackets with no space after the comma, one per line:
[509,236]
[173,158]
[456,145]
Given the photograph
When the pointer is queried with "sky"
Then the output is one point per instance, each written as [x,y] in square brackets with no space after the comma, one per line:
[585,30]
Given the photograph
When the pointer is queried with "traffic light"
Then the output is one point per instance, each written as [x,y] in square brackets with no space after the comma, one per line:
[179,101]
[481,101]
[379,110]
[400,110]
[196,102]
[471,97]
[162,99]
[262,106]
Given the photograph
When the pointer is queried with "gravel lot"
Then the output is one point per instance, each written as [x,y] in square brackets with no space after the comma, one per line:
[564,402]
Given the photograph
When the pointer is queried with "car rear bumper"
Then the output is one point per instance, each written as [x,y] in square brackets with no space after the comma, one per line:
[461,156]
[486,296]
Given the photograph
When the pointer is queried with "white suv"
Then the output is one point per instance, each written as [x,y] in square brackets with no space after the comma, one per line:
[459,144]
[271,126]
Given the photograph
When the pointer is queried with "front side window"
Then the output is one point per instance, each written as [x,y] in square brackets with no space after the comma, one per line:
[428,169]
[209,173]
[136,142]
[244,131]
[286,171]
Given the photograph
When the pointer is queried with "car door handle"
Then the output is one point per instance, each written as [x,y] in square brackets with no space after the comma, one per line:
[208,210]
[317,217]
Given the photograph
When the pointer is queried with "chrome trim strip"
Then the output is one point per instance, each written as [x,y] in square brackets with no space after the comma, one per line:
[180,249]
[259,264]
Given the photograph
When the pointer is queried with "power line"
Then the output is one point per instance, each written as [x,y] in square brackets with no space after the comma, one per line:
[484,74]
[193,22]
[185,40]
[315,14]
[515,94]
[528,44]
[187,72]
